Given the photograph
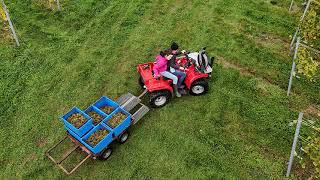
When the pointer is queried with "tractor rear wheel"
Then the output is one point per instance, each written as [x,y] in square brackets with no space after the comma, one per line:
[159,99]
[123,137]
[199,87]
[105,154]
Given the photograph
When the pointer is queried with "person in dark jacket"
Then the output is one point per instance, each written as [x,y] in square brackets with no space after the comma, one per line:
[173,67]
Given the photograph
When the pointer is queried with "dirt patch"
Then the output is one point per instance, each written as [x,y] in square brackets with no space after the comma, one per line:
[243,70]
[228,64]
[271,38]
[303,173]
[295,9]
[28,158]
[96,137]
[77,120]
[95,117]
[312,110]
[5,34]
[116,119]
[270,153]
[41,142]
[50,5]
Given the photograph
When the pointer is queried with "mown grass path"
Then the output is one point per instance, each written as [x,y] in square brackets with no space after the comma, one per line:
[239,130]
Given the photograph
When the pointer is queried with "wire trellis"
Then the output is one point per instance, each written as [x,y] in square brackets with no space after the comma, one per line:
[310,128]
[298,42]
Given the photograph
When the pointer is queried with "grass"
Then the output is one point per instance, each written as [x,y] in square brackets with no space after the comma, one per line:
[239,130]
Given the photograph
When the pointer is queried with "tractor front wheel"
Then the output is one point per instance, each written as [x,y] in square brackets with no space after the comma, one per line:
[199,87]
[159,99]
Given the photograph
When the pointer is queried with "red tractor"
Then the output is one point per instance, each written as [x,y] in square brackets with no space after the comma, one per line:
[198,70]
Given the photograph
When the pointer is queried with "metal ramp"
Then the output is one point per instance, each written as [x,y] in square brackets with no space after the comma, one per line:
[143,110]
[130,102]
[124,98]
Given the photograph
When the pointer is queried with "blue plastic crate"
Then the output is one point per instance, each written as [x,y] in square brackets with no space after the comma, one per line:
[81,130]
[104,101]
[93,108]
[103,143]
[123,125]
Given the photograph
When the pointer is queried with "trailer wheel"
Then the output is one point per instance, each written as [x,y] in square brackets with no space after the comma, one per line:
[141,82]
[123,137]
[199,87]
[159,99]
[106,154]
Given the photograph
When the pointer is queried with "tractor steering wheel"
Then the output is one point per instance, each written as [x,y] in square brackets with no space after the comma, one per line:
[189,61]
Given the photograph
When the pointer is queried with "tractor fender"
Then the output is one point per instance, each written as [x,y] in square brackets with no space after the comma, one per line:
[193,77]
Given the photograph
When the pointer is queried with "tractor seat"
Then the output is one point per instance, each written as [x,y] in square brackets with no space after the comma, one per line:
[164,78]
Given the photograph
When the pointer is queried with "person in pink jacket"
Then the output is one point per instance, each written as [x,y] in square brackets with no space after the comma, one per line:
[160,68]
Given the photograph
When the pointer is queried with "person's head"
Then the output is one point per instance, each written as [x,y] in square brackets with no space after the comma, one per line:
[162,54]
[165,52]
[174,47]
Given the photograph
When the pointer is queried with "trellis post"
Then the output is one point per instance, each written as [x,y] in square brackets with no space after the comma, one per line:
[294,144]
[291,6]
[58,4]
[306,10]
[294,38]
[293,65]
[10,23]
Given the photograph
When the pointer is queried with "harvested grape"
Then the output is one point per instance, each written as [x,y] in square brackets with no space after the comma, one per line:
[116,119]
[95,117]
[96,137]
[77,120]
[107,109]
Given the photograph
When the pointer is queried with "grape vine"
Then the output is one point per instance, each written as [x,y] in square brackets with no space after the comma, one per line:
[4,28]
[307,62]
[312,152]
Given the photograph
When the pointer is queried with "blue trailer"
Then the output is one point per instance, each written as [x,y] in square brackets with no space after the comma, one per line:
[79,135]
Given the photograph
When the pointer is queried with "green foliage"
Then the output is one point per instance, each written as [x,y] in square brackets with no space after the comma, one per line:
[3,16]
[307,63]
[5,35]
[310,26]
[313,151]
[312,155]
